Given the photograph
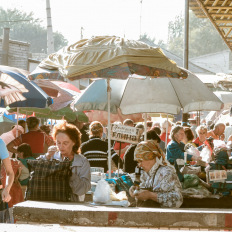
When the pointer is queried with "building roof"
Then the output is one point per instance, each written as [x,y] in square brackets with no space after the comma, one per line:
[219,13]
[192,67]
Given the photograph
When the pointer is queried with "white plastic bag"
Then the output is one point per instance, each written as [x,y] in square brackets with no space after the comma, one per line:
[193,151]
[206,154]
[102,192]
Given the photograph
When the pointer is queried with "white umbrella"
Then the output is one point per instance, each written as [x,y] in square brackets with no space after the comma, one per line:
[152,95]
[224,96]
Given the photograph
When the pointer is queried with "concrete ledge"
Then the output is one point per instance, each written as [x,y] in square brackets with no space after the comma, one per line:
[88,215]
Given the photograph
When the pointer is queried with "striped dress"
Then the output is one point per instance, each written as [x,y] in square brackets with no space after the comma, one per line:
[96,151]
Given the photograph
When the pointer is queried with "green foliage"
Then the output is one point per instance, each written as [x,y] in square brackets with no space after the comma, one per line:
[203,37]
[152,41]
[25,27]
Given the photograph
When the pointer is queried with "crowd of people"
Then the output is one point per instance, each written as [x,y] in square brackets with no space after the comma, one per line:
[86,146]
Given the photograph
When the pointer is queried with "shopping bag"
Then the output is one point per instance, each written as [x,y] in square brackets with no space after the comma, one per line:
[49,180]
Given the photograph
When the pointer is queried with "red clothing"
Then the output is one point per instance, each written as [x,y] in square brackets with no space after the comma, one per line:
[117,147]
[198,142]
[16,190]
[36,139]
[163,137]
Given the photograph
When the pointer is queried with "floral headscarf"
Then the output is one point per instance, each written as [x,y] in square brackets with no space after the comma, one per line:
[149,150]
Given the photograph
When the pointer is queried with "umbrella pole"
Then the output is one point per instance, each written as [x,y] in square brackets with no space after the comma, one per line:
[109,128]
[145,127]
[166,138]
[17,133]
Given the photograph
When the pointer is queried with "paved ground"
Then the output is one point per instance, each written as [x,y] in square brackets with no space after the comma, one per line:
[58,228]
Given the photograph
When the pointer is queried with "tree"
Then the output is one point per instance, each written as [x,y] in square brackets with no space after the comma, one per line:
[24,27]
[152,41]
[203,37]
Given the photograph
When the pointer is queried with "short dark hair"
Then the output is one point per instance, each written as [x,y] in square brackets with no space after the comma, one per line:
[152,135]
[189,134]
[32,122]
[128,122]
[156,129]
[26,149]
[149,124]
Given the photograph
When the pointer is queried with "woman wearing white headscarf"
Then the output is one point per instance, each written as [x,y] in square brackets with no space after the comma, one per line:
[162,185]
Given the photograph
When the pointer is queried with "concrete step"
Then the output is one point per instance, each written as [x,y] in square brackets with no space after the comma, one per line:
[86,214]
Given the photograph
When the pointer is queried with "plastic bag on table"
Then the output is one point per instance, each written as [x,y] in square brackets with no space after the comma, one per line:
[102,192]
[206,154]
[190,170]
[193,151]
[199,191]
[219,144]
[190,180]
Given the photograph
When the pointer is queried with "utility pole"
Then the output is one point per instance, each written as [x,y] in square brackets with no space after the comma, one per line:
[82,32]
[50,40]
[140,21]
[186,34]
[5,46]
[186,46]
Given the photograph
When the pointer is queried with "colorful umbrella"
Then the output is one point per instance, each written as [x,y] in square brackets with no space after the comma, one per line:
[65,113]
[33,96]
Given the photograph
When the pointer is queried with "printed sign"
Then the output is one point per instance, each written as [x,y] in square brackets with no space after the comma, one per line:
[125,134]
[217,175]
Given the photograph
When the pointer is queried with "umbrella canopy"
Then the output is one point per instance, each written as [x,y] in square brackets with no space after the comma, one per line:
[159,95]
[62,97]
[10,93]
[32,94]
[108,57]
[102,116]
[65,113]
[224,96]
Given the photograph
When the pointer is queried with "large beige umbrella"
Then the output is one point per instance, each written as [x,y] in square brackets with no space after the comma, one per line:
[108,57]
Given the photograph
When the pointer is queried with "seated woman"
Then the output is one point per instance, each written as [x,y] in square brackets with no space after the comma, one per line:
[175,149]
[96,150]
[163,188]
[24,153]
[67,138]
[201,135]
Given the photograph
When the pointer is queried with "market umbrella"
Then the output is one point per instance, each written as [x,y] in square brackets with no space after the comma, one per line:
[64,113]
[159,95]
[10,93]
[224,96]
[33,96]
[107,57]
[102,116]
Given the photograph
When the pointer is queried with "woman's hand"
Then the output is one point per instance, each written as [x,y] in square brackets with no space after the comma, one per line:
[131,191]
[51,151]
[143,195]
[5,195]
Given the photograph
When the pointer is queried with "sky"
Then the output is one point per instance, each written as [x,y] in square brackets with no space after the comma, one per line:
[104,17]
